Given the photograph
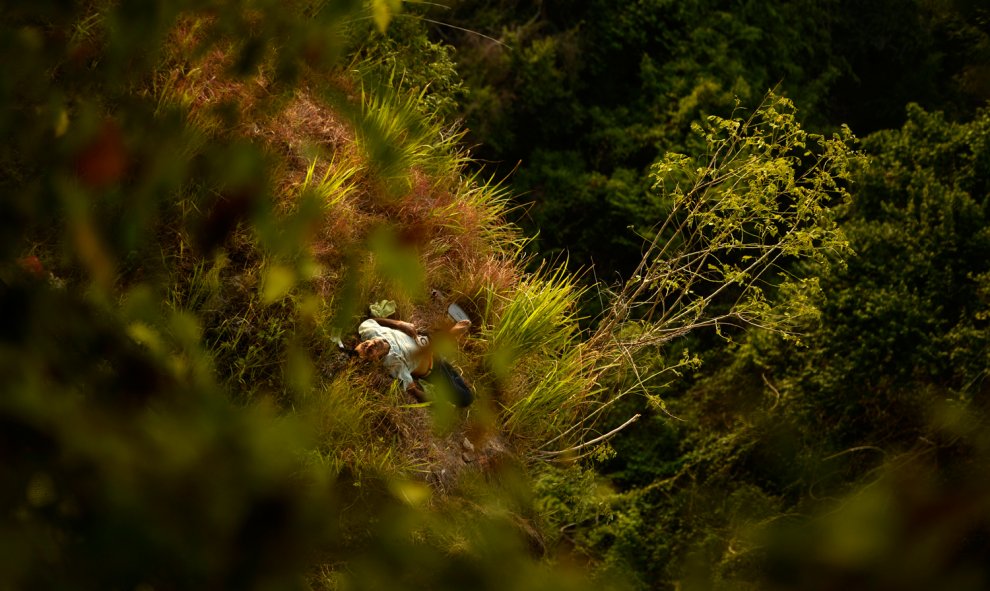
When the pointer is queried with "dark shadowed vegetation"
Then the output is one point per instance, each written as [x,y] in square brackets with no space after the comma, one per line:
[727,266]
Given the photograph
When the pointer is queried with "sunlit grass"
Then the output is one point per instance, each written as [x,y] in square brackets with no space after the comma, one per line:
[555,392]
[535,349]
[398,138]
[398,217]
[540,316]
[334,185]
[491,202]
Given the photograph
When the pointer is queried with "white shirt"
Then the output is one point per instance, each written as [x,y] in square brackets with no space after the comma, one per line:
[402,348]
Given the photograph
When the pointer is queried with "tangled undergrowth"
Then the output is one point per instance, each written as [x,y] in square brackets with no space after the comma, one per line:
[389,210]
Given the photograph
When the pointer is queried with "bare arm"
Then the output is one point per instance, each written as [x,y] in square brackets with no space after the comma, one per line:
[399,325]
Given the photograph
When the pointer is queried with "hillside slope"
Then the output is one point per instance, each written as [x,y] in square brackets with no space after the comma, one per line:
[201,202]
[383,209]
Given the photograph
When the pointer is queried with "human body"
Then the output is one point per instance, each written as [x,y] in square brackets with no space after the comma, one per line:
[408,356]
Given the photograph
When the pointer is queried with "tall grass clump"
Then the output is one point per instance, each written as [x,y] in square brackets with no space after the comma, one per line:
[476,248]
[334,185]
[398,137]
[540,316]
[490,202]
[535,352]
[557,389]
[352,429]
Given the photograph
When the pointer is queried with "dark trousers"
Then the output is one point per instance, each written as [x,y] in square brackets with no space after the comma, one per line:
[445,378]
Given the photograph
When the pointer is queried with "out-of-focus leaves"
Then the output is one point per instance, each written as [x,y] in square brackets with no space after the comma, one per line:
[383,11]
[414,493]
[100,162]
[146,336]
[398,263]
[924,523]
[299,371]
[277,283]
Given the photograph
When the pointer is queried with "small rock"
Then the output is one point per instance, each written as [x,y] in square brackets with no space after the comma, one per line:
[467,457]
[466,444]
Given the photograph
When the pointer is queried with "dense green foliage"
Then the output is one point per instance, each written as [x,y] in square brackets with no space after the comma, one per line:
[877,418]
[200,198]
[854,459]
[584,96]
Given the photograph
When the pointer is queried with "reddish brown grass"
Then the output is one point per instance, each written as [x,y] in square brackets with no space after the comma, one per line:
[450,234]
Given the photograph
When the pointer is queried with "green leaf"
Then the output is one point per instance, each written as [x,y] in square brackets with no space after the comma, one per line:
[382,309]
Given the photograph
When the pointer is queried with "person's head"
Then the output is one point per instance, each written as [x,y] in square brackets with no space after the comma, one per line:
[373,349]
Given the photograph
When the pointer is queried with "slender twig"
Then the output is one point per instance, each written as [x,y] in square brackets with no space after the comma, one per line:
[598,439]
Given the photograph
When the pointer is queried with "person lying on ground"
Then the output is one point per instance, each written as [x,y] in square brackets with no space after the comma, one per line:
[408,356]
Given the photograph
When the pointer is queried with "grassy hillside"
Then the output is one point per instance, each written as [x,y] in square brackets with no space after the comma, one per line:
[379,193]
[203,200]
